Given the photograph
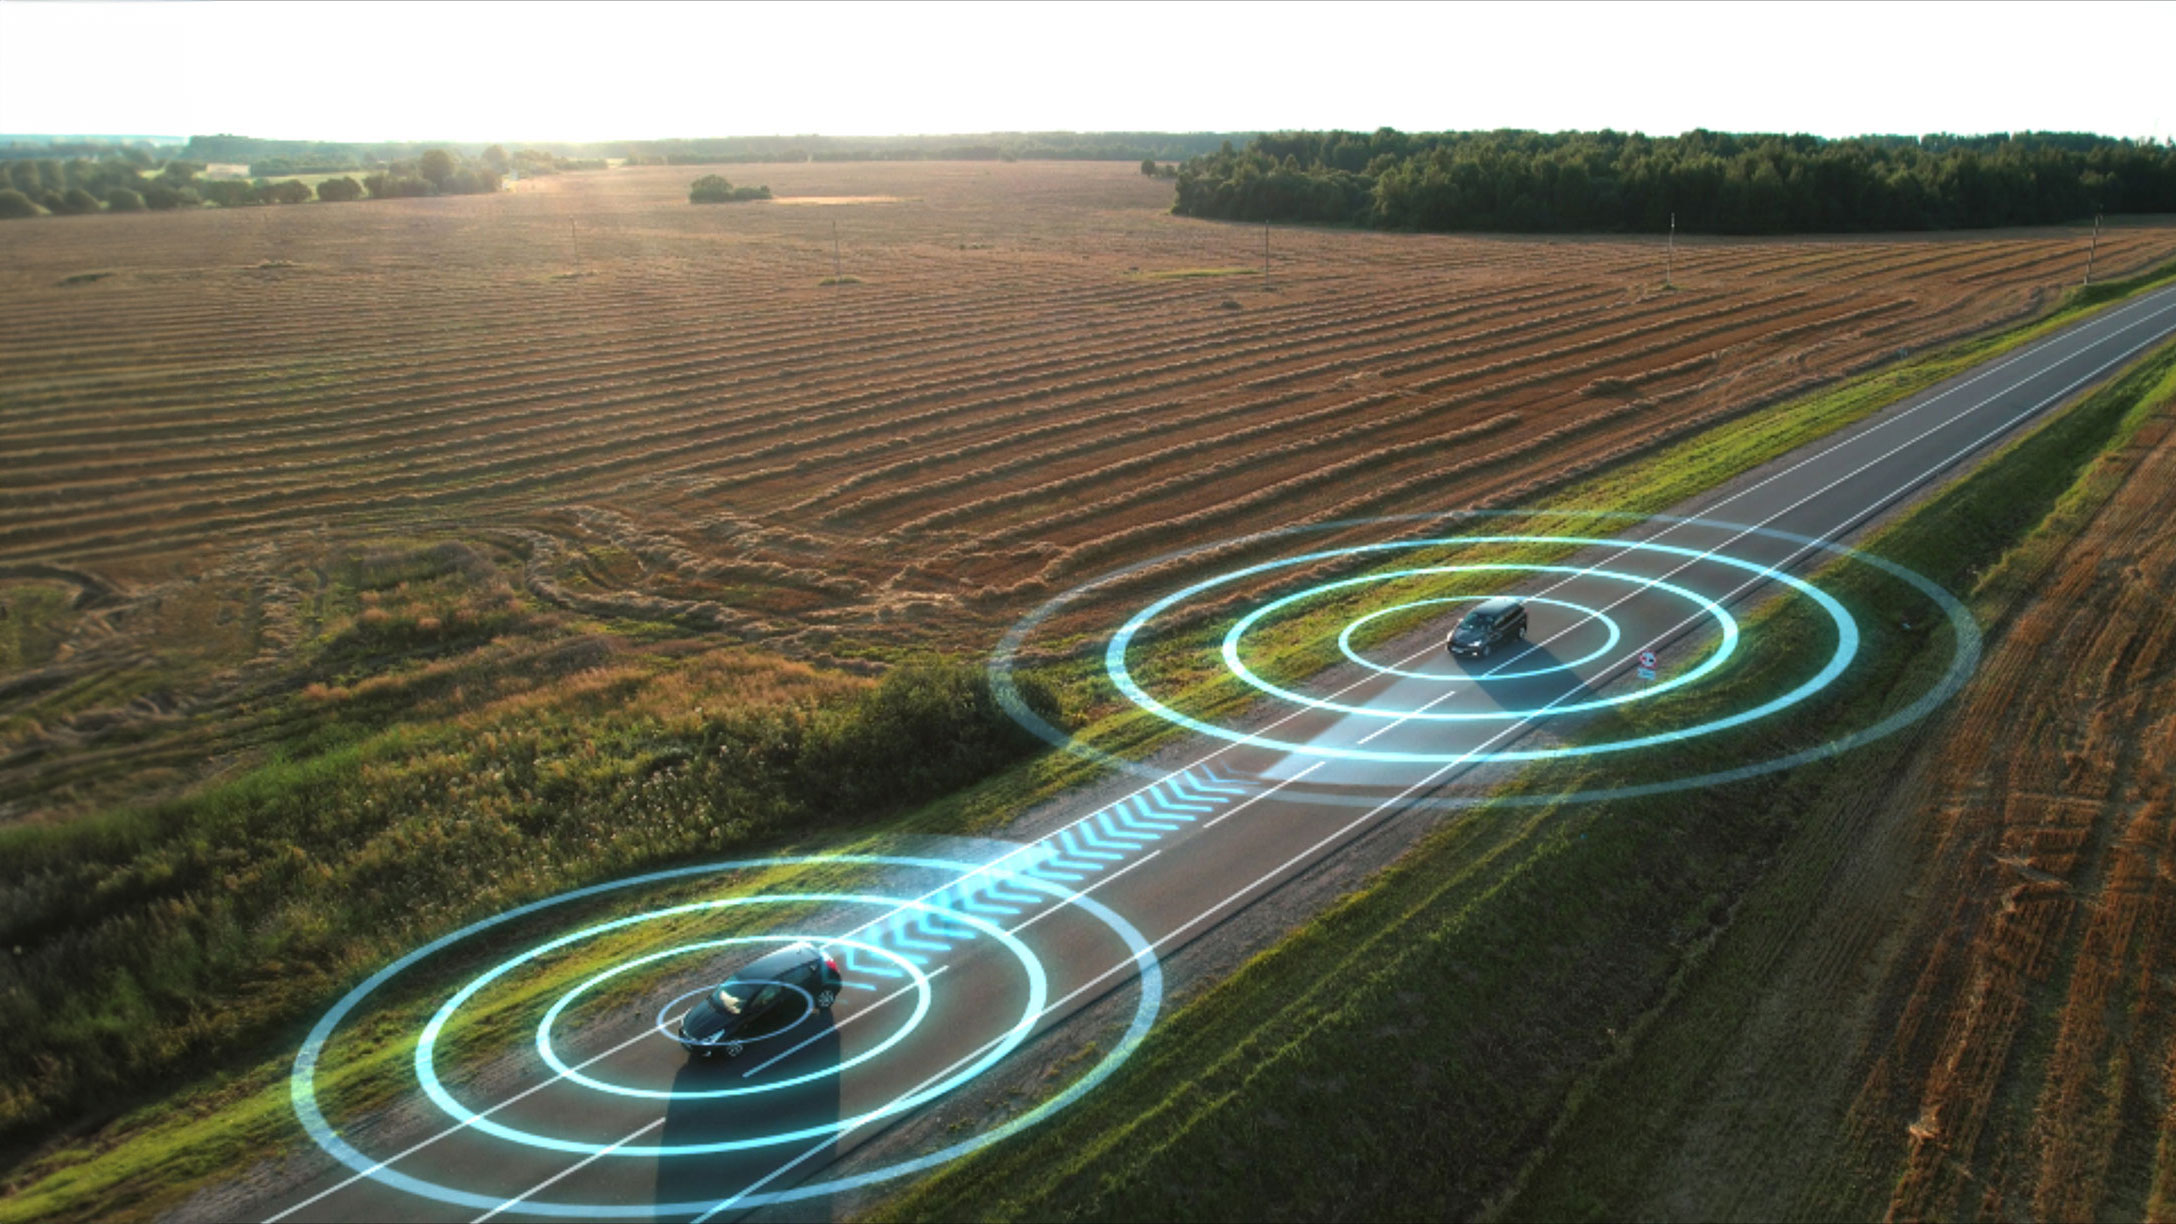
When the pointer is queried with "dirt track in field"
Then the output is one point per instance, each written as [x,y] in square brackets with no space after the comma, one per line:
[657,410]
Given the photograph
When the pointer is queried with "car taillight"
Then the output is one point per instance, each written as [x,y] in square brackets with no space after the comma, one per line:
[830,964]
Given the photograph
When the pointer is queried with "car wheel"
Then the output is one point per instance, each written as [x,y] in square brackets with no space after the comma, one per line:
[825,998]
[732,1049]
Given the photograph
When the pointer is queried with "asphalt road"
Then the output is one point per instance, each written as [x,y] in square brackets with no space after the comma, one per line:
[1173,859]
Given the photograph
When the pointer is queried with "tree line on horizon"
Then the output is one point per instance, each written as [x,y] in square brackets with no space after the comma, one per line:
[273,157]
[1713,182]
[132,180]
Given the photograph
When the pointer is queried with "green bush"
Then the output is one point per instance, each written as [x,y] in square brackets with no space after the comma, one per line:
[339,190]
[14,203]
[287,191]
[229,193]
[713,189]
[75,201]
[159,195]
[437,166]
[121,199]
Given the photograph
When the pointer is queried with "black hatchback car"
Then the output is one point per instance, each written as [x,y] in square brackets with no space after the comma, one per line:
[1493,623]
[760,999]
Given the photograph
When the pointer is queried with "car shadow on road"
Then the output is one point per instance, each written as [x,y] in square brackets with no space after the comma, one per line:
[810,1103]
[1529,676]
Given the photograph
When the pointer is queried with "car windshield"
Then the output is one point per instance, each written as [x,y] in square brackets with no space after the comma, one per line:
[1477,620]
[725,1001]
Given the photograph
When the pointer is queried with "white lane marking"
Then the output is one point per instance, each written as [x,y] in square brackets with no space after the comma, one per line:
[1025,923]
[1033,919]
[1833,445]
[457,1127]
[1093,982]
[917,1088]
[1253,799]
[903,991]
[572,1169]
[1433,776]
[1386,728]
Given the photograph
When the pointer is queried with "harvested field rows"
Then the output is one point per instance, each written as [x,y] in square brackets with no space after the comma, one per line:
[660,409]
[2033,1061]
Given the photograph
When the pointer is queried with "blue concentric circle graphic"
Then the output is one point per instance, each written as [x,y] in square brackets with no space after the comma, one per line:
[1398,533]
[1847,645]
[1145,970]
[433,1087]
[546,1051]
[1613,634]
[1239,668]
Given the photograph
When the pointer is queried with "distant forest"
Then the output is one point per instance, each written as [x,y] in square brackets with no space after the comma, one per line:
[132,178]
[1531,182]
[324,157]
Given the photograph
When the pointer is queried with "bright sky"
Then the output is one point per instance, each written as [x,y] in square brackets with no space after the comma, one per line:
[583,71]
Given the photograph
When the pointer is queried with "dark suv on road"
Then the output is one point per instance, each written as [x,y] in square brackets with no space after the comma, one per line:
[1495,621]
[760,999]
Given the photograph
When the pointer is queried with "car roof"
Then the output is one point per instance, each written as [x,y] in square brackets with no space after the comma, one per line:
[785,960]
[1498,605]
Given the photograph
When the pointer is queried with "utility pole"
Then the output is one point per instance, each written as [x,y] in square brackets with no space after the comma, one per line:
[2093,250]
[1669,254]
[838,274]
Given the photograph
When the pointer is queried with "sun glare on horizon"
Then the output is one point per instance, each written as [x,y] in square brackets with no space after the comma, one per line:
[591,72]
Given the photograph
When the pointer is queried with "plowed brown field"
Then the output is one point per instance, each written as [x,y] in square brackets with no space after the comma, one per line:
[2032,1071]
[640,408]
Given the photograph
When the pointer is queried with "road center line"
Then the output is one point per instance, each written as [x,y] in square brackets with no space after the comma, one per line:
[572,1169]
[903,991]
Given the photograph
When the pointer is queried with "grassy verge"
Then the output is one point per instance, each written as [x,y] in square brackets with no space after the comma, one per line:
[1415,1051]
[149,944]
